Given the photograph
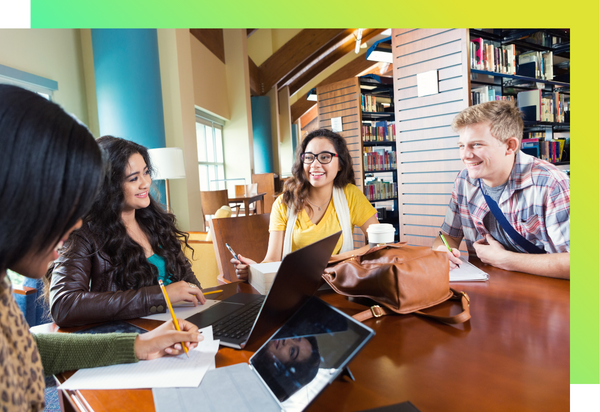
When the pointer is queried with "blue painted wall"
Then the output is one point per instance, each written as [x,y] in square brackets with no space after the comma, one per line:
[261,134]
[128,87]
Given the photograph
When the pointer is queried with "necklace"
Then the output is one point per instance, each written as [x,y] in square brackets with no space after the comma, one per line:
[318,207]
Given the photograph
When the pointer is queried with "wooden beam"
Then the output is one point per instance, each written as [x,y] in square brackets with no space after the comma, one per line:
[254,78]
[307,118]
[212,39]
[334,44]
[357,66]
[347,47]
[299,49]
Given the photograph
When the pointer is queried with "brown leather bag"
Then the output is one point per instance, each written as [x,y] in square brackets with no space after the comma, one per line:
[402,278]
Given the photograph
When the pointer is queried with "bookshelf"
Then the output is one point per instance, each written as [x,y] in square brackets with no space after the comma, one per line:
[531,67]
[378,136]
[367,115]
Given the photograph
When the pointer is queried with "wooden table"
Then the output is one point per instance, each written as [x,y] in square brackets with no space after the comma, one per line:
[513,355]
[247,199]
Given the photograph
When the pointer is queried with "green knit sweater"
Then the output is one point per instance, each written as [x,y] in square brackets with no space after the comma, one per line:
[64,352]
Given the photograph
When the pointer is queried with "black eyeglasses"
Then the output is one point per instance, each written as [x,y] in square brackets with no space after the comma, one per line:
[323,157]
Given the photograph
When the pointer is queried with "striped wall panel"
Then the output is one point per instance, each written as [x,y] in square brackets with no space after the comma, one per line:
[428,156]
[342,99]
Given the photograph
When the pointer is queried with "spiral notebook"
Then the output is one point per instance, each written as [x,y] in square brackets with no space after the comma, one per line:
[467,272]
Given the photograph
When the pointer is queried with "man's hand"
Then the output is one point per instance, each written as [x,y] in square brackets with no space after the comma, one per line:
[490,251]
[453,258]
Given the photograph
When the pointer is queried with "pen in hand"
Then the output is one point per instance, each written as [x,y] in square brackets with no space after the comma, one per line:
[446,243]
[164,291]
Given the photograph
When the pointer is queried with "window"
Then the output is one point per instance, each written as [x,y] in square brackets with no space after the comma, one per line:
[42,86]
[211,167]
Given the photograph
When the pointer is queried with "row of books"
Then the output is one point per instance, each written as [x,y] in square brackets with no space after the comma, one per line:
[490,56]
[537,64]
[370,103]
[381,132]
[551,150]
[380,190]
[377,160]
[543,108]
[484,94]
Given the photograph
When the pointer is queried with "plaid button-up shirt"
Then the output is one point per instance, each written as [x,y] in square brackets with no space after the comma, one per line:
[536,202]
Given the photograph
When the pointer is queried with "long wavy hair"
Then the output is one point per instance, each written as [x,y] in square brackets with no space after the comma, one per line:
[130,268]
[297,187]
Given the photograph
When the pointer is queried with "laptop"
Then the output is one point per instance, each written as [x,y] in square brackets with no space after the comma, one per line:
[286,374]
[243,316]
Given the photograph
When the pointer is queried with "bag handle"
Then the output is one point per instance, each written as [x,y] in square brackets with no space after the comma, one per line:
[377,311]
[362,251]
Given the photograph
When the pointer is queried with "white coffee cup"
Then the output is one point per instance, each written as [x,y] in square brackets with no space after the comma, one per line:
[381,234]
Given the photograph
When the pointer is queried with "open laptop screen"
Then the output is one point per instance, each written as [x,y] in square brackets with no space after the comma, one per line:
[308,352]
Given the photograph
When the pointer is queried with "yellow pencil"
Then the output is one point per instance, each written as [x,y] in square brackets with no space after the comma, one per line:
[212,291]
[164,291]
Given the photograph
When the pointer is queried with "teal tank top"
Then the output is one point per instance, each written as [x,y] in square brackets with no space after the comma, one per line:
[161,265]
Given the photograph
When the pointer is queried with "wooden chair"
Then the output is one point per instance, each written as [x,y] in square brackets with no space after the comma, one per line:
[204,262]
[247,190]
[266,183]
[247,235]
[212,200]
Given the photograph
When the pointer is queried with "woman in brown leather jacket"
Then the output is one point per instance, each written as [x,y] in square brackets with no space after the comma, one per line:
[109,269]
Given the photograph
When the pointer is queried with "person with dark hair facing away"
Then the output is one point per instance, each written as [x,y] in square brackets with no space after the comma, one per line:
[50,171]
[318,200]
[109,269]
[512,209]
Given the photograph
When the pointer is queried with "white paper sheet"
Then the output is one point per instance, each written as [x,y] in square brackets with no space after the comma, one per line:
[467,273]
[182,310]
[165,372]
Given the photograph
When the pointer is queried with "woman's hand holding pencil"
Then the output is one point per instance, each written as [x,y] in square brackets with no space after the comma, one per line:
[166,340]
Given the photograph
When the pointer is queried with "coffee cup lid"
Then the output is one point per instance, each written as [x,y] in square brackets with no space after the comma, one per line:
[381,228]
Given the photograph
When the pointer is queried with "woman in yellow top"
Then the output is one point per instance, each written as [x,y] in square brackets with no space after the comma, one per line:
[318,200]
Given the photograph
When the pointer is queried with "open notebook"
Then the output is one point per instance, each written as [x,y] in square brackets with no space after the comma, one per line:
[467,272]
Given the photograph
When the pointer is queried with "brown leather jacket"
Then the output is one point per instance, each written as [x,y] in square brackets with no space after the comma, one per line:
[81,293]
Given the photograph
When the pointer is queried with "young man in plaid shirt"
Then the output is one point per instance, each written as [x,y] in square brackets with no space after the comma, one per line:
[532,194]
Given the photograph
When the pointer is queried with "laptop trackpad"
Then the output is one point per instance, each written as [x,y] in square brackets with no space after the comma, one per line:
[213,314]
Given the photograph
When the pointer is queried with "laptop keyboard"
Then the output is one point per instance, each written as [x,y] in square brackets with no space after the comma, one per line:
[237,325]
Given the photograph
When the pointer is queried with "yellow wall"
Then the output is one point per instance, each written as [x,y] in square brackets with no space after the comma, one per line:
[239,156]
[210,82]
[51,53]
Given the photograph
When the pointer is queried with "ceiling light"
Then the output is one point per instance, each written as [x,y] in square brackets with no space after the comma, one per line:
[312,94]
[381,51]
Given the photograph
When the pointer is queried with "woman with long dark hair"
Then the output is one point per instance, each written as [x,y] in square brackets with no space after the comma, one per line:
[50,171]
[109,269]
[318,200]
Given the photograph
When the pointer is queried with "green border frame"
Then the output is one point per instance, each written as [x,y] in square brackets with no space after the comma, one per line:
[585,308]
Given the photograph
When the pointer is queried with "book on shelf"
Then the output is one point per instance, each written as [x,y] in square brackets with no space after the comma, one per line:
[536,64]
[530,104]
[493,57]
[378,159]
[484,94]
[373,104]
[382,131]
[380,190]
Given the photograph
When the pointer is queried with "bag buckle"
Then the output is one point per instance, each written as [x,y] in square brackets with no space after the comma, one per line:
[376,311]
